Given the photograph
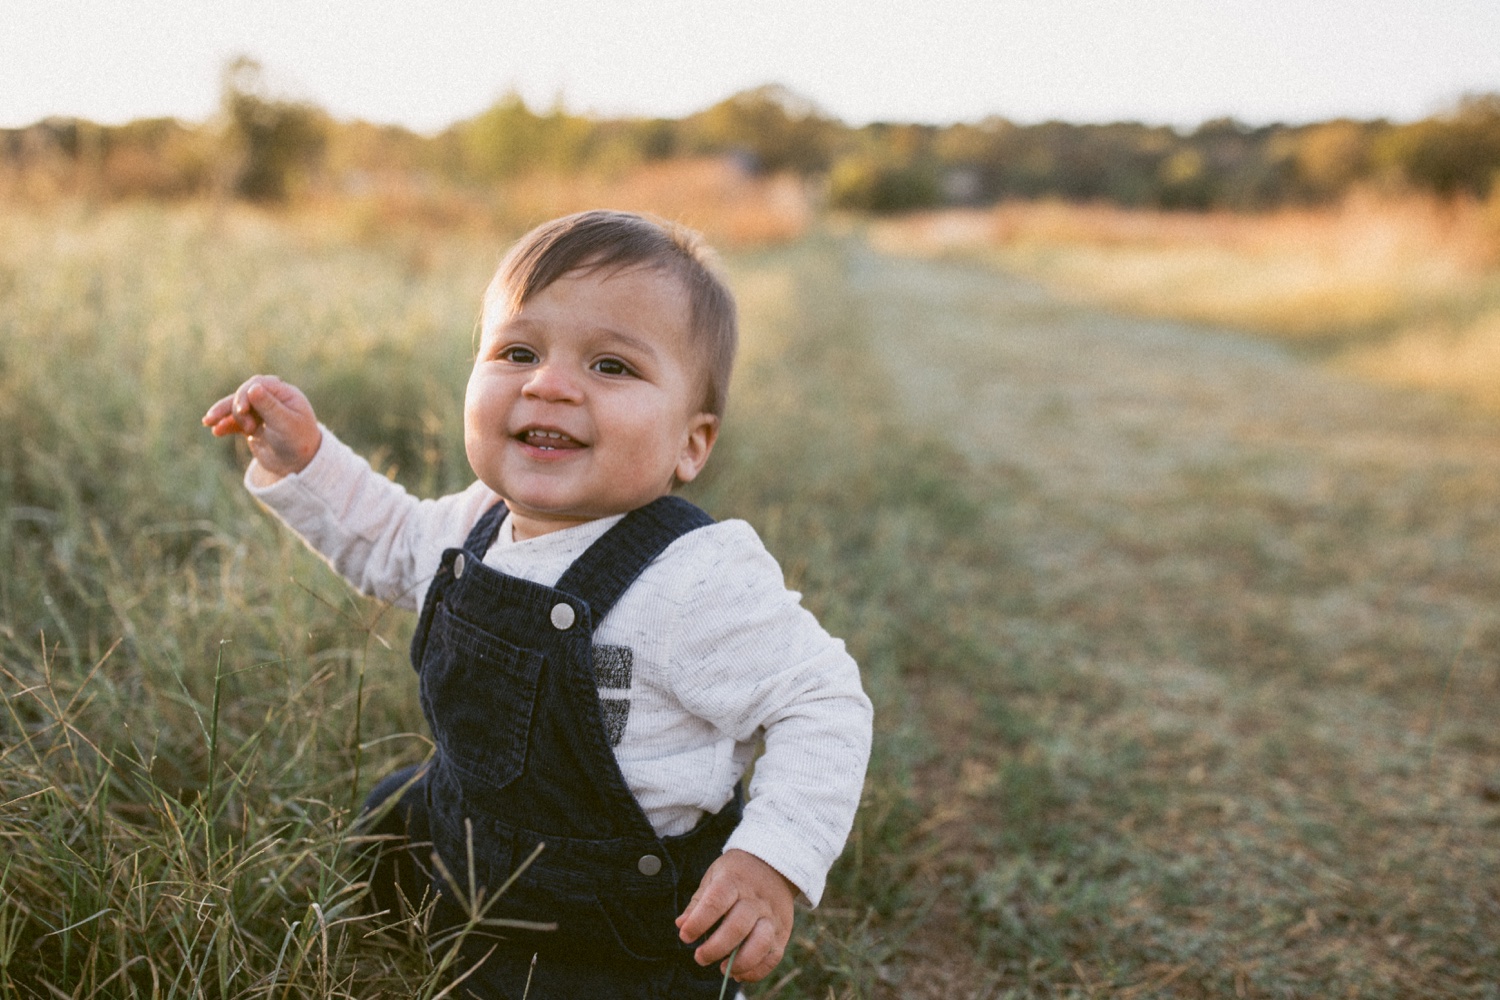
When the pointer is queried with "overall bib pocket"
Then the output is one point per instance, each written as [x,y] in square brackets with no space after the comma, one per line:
[479,692]
[612,925]
[641,923]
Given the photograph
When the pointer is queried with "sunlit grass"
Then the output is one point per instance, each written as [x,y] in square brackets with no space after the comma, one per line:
[1159,713]
[1404,290]
[1208,742]
[195,705]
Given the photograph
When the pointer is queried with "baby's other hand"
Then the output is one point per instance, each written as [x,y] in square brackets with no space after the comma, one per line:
[752,904]
[276,419]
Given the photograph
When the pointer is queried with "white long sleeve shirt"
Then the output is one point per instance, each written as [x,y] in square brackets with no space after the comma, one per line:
[721,656]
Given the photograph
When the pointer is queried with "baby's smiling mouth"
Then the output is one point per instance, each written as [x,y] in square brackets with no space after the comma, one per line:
[548,440]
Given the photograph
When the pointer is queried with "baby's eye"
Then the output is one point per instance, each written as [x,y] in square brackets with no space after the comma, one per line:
[519,355]
[612,366]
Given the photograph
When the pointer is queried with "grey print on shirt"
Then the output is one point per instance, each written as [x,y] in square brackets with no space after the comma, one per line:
[612,672]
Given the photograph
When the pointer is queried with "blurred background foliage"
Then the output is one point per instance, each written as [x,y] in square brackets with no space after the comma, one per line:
[269,149]
[1184,660]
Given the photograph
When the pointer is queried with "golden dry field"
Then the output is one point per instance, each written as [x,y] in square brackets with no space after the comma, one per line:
[1183,632]
[1403,290]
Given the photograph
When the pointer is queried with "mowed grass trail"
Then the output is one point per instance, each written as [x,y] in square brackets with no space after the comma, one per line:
[1184,653]
[1247,611]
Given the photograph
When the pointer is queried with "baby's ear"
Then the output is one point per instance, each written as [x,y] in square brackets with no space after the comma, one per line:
[702,432]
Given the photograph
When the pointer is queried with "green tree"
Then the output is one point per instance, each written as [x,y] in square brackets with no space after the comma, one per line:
[1329,157]
[509,139]
[1452,154]
[274,144]
[776,128]
[869,184]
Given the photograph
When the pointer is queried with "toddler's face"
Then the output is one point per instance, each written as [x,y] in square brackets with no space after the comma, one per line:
[586,401]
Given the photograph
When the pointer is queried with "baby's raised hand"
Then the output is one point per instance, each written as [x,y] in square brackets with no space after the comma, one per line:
[276,419]
[752,904]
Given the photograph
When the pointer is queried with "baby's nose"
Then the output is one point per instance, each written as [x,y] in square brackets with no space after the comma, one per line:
[553,381]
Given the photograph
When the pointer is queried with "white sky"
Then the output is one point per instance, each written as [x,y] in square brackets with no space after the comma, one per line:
[428,64]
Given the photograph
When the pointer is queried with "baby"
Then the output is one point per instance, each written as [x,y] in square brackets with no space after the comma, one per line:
[598,659]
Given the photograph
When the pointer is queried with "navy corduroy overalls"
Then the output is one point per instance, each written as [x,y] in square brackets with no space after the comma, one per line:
[523,758]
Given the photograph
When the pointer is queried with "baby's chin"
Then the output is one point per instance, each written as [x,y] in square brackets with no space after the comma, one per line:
[531,521]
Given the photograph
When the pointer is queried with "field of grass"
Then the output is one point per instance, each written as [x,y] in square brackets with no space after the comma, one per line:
[1404,291]
[1184,653]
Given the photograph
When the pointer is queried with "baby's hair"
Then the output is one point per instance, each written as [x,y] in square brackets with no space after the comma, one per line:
[603,240]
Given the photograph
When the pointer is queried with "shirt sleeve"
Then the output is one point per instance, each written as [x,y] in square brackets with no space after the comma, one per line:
[384,541]
[752,661]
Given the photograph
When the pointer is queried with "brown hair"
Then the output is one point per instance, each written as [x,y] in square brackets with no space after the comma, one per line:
[606,240]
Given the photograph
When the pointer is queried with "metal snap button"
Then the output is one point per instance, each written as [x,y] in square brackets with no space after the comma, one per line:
[562,617]
[458,566]
[649,864]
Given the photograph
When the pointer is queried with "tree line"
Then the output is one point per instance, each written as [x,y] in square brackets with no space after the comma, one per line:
[269,149]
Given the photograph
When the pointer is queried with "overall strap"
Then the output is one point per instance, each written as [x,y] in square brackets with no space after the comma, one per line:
[608,567]
[482,535]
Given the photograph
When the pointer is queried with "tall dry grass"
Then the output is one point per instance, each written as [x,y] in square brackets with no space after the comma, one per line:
[1169,703]
[178,766]
[194,706]
[715,195]
[734,208]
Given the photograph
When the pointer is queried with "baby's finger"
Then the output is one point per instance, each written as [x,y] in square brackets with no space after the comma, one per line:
[240,406]
[267,402]
[217,412]
[730,934]
[244,409]
[225,427]
[708,904]
[758,955]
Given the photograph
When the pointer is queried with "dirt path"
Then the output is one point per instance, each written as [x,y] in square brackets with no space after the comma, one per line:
[1088,400]
[1280,591]
[1150,446]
